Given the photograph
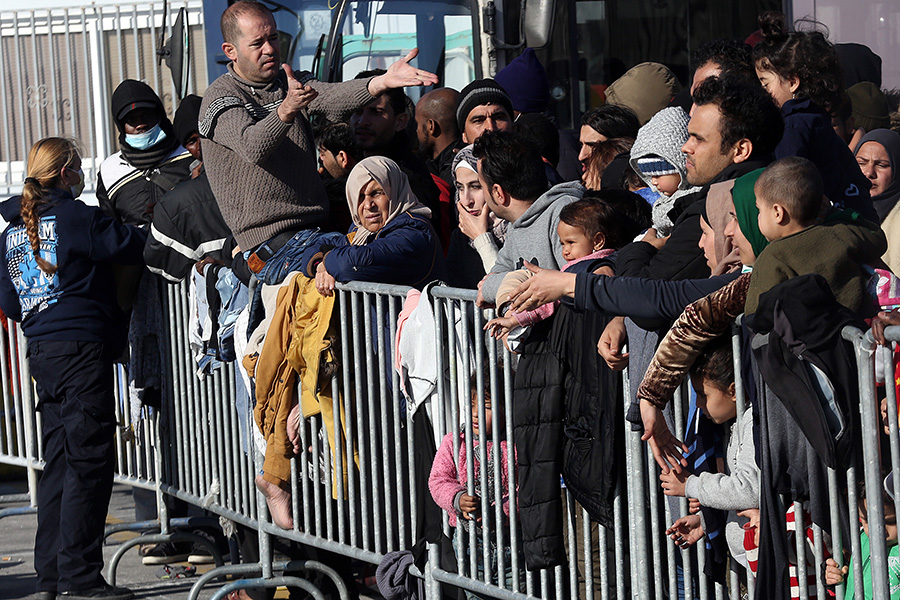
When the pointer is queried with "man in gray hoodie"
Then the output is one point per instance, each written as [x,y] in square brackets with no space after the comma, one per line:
[515,183]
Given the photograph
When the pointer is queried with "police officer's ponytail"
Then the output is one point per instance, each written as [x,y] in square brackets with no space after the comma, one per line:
[46,160]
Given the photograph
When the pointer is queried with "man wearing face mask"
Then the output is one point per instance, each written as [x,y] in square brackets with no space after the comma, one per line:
[151,161]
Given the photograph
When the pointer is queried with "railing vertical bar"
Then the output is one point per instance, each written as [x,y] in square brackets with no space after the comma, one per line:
[349,411]
[367,445]
[380,407]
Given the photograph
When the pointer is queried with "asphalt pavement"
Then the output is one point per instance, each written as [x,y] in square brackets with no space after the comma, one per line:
[17,577]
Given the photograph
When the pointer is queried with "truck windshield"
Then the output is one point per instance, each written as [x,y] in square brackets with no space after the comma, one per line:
[372,35]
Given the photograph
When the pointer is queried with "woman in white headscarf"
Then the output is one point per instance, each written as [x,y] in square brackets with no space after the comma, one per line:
[474,245]
[393,242]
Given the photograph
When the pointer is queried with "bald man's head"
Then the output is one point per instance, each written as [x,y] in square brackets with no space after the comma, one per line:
[436,125]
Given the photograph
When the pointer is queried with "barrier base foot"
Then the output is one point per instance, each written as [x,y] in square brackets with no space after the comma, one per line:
[19,510]
[157,538]
[275,582]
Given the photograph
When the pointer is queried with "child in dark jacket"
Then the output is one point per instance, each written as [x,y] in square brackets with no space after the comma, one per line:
[448,484]
[800,71]
[56,278]
[789,196]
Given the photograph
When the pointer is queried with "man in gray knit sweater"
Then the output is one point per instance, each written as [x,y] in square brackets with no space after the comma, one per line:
[258,143]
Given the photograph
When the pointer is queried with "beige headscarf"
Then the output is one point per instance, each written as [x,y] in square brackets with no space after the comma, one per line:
[395,185]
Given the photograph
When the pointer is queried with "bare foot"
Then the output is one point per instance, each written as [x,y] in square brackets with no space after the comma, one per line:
[279,501]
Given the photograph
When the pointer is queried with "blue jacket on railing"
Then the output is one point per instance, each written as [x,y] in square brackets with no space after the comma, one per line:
[406,251]
[78,302]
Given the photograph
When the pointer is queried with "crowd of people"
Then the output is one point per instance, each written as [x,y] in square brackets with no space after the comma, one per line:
[768,187]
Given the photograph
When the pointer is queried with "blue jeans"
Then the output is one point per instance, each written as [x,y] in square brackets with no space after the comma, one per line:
[493,554]
[295,254]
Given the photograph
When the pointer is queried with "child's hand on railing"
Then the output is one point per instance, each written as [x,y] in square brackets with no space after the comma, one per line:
[469,506]
[686,531]
[673,482]
[832,573]
[499,327]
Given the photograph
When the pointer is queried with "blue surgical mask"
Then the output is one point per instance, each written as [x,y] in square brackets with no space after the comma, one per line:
[78,187]
[142,141]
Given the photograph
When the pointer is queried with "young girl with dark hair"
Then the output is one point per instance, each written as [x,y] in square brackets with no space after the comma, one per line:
[56,279]
[800,71]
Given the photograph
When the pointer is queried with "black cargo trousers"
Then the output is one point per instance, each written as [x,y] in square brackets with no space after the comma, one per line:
[74,383]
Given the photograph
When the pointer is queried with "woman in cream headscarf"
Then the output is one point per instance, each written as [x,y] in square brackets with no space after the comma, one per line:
[394,241]
[475,243]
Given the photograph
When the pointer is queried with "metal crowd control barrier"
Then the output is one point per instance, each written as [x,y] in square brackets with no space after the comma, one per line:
[192,450]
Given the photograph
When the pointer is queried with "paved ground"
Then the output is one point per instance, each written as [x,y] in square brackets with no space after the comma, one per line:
[17,578]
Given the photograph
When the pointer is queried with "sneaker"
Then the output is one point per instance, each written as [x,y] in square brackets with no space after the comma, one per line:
[200,555]
[163,554]
[105,591]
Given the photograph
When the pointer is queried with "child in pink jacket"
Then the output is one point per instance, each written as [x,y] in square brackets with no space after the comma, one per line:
[448,486]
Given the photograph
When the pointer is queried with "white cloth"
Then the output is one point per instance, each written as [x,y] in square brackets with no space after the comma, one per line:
[416,360]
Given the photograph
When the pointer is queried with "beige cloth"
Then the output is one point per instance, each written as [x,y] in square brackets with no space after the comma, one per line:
[891,228]
[395,185]
[646,89]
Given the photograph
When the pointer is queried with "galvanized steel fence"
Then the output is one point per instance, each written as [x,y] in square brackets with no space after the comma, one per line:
[191,449]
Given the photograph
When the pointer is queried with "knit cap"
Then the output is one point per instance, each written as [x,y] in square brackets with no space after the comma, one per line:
[478,93]
[186,118]
[525,80]
[646,89]
[661,139]
[131,95]
[870,107]
[656,166]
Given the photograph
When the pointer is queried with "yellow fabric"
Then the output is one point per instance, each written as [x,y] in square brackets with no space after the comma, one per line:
[310,341]
[275,387]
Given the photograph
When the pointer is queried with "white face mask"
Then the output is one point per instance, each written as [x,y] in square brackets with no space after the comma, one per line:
[78,187]
[148,139]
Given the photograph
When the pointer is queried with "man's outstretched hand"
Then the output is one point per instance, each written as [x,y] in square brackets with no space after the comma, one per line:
[667,449]
[401,74]
[547,285]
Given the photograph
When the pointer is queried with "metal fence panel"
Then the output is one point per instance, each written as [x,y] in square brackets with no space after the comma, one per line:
[191,449]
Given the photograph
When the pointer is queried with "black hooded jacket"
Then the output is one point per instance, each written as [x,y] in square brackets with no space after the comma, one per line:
[131,181]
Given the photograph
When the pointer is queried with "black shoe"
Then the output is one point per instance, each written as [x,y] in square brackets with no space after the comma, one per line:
[105,591]
[164,554]
[200,555]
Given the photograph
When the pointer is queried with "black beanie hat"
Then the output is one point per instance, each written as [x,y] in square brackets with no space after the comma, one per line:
[131,95]
[478,93]
[186,118]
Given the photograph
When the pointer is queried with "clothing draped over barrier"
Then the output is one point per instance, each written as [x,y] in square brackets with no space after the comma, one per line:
[191,448]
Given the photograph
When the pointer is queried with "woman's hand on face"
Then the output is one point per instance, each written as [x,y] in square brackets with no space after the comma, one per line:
[473,226]
[324,280]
